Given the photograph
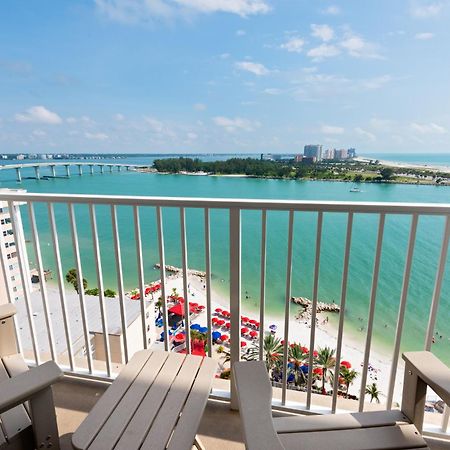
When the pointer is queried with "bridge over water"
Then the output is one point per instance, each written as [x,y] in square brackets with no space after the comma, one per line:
[52,166]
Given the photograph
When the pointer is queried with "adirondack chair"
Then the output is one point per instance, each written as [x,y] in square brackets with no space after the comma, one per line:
[395,429]
[27,411]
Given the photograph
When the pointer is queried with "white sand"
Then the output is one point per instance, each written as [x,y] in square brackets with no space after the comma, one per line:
[405,165]
[325,335]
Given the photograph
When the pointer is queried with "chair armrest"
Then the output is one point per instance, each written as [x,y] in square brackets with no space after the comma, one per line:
[430,370]
[255,405]
[7,310]
[22,387]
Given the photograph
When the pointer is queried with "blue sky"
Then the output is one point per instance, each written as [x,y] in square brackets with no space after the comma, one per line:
[211,76]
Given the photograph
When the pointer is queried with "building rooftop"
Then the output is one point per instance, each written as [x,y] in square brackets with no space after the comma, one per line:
[112,307]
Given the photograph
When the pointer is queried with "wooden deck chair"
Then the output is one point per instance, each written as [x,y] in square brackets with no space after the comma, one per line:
[27,411]
[395,429]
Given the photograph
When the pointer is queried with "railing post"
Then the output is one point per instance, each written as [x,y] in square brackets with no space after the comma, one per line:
[235,294]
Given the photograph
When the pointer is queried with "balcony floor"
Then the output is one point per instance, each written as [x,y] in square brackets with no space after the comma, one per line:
[220,428]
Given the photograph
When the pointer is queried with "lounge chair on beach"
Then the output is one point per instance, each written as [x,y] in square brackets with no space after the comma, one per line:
[394,429]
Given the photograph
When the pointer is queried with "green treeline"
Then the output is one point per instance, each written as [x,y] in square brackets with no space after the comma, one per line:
[243,166]
[347,170]
[262,168]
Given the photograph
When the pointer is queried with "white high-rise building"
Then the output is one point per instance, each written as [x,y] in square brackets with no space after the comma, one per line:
[11,286]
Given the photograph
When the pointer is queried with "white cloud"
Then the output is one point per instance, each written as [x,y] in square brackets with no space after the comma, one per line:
[272,91]
[238,123]
[239,7]
[224,55]
[358,47]
[294,44]
[323,51]
[332,10]
[331,129]
[425,10]
[241,33]
[424,36]
[134,11]
[83,119]
[39,114]
[366,134]
[96,136]
[384,125]
[192,136]
[323,32]
[39,133]
[155,124]
[376,82]
[428,128]
[252,67]
[200,107]
[119,117]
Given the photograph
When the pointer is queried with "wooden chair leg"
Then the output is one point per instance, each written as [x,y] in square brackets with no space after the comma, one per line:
[198,444]
[43,418]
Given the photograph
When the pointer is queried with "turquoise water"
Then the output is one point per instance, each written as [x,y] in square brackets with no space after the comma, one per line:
[362,252]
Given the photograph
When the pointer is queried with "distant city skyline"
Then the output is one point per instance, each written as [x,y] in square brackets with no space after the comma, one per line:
[241,76]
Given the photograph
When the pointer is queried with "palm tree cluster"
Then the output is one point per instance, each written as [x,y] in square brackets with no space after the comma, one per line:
[324,362]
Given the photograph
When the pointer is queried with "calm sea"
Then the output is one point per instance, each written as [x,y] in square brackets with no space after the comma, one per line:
[426,253]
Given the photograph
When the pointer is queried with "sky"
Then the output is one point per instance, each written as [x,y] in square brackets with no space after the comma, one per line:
[224,76]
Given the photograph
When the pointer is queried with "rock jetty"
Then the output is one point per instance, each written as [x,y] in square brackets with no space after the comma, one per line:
[306,304]
[179,271]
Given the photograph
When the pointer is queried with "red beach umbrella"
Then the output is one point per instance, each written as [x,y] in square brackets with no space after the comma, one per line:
[253,334]
[244,330]
[218,310]
[179,337]
[228,325]
[224,338]
[220,322]
[243,344]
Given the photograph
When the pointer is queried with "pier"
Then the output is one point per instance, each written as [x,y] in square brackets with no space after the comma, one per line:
[52,168]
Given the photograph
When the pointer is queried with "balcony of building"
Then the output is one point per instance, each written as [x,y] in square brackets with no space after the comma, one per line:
[91,336]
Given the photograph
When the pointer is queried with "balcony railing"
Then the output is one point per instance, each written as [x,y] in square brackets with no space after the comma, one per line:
[50,216]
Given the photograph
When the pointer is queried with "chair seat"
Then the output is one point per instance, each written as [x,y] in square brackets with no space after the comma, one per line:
[15,420]
[375,438]
[328,422]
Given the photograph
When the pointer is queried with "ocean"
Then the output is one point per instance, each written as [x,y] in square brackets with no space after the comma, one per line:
[429,235]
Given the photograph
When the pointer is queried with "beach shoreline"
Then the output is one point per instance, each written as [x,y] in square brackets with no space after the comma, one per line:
[299,331]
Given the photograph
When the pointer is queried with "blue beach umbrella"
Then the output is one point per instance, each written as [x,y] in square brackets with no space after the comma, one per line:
[203,330]
[216,335]
[195,326]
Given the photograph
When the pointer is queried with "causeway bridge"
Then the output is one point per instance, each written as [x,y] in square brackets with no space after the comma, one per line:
[67,166]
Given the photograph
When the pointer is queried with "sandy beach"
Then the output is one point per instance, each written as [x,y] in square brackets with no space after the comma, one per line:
[299,331]
[404,165]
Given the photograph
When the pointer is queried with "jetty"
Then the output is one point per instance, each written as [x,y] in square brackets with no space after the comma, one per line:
[179,271]
[307,305]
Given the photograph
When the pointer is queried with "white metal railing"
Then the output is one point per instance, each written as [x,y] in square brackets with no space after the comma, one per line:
[234,208]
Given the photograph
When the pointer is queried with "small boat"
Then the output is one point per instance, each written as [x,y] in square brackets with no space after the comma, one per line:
[355,189]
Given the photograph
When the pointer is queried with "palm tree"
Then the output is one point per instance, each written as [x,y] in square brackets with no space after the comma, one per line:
[372,390]
[159,305]
[325,360]
[226,356]
[272,351]
[348,376]
[72,278]
[297,356]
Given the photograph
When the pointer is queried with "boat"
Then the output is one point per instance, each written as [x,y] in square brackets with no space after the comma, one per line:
[355,189]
